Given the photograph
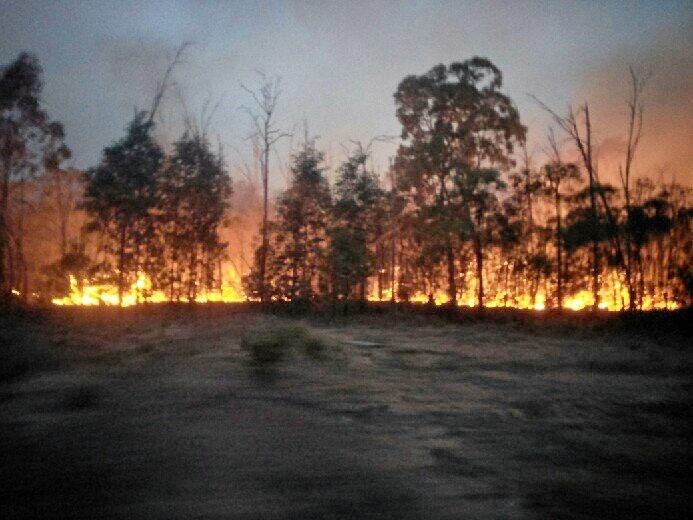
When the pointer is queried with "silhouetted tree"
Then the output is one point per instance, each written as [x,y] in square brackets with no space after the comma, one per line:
[192,197]
[635,123]
[454,119]
[296,265]
[28,142]
[557,175]
[120,195]
[474,192]
[265,99]
[358,213]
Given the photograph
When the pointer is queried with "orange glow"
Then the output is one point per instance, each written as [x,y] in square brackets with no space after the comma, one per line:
[141,292]
[613,296]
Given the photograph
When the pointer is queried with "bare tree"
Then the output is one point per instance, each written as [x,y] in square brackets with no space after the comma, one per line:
[556,173]
[635,120]
[165,82]
[265,99]
[578,126]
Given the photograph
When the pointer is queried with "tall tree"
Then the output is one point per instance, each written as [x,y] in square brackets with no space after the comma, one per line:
[265,100]
[120,196]
[358,215]
[454,119]
[296,264]
[121,191]
[28,140]
[578,126]
[478,207]
[556,175]
[192,198]
[635,123]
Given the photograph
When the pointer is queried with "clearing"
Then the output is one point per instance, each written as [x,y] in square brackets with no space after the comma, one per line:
[206,413]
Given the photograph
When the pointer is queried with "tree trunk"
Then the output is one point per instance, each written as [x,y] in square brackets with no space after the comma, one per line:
[4,232]
[479,253]
[121,265]
[452,285]
[192,276]
[265,202]
[393,259]
[559,253]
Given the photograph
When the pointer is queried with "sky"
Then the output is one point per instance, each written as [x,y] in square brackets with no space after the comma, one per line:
[340,63]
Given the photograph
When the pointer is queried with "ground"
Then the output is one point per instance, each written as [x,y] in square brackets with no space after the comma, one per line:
[165,413]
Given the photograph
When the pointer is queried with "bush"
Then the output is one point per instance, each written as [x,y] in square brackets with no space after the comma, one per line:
[270,343]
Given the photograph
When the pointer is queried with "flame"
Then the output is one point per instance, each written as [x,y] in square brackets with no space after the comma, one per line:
[613,295]
[85,293]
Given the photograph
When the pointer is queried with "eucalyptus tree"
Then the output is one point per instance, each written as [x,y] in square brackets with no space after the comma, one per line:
[455,120]
[479,208]
[262,116]
[357,222]
[296,264]
[193,190]
[29,141]
[635,124]
[120,195]
[558,174]
[577,124]
[525,188]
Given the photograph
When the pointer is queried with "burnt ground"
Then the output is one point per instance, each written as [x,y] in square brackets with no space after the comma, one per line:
[160,413]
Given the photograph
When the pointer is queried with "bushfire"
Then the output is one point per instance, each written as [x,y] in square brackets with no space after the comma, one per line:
[84,293]
[613,296]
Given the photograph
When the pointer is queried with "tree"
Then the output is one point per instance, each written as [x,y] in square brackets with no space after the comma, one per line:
[28,141]
[479,207]
[64,189]
[192,198]
[556,175]
[296,264]
[121,191]
[525,189]
[266,102]
[454,119]
[120,195]
[578,126]
[635,121]
[358,214]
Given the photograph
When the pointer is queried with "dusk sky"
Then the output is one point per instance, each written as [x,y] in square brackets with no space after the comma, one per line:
[340,63]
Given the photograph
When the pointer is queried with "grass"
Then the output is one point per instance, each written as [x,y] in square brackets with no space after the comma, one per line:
[24,348]
[499,414]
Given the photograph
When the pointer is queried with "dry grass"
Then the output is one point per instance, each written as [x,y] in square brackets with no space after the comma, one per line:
[160,412]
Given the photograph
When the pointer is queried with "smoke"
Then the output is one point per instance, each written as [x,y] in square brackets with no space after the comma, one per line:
[665,149]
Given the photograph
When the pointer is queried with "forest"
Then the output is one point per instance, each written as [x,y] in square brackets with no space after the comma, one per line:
[464,215]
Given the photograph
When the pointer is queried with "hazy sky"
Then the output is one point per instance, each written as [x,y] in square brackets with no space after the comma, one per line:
[340,63]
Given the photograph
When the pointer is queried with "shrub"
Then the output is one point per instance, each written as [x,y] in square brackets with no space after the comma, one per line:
[270,343]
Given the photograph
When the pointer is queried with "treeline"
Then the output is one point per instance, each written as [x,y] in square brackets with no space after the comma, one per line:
[149,212]
[462,222]
[462,216]
[159,214]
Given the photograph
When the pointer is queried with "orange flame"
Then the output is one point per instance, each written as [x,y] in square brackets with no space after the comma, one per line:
[141,292]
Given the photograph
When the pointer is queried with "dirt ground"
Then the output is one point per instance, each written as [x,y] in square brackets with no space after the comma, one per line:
[160,415]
